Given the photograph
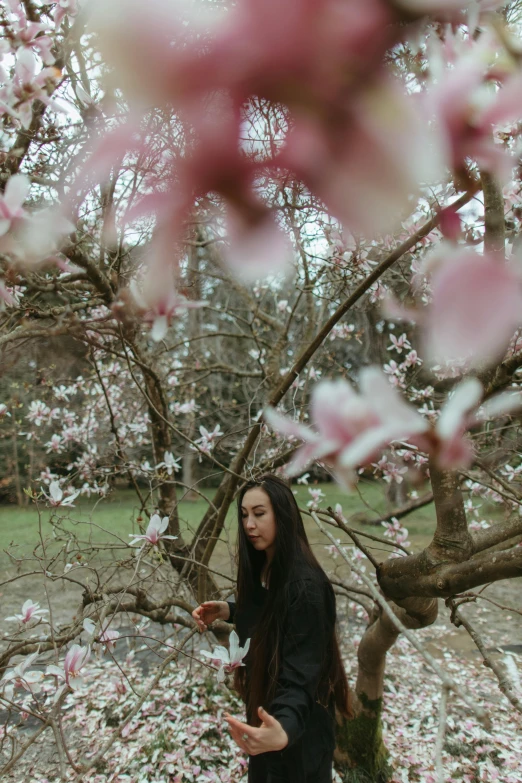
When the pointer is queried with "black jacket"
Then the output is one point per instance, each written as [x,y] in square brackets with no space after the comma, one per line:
[308,630]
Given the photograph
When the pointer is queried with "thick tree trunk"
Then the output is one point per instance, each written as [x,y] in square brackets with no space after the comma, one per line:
[361,754]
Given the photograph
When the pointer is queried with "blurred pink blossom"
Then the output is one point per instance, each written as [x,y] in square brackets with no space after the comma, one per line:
[467,107]
[62,9]
[366,162]
[447,440]
[476,307]
[11,202]
[105,635]
[158,300]
[351,427]
[24,33]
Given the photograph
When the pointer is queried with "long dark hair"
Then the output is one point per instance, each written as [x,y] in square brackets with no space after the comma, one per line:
[292,556]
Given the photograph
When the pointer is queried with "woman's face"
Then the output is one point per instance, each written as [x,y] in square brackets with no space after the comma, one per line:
[259,520]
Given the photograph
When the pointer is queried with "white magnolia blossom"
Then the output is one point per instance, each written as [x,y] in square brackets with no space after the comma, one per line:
[230,659]
[56,495]
[19,677]
[169,463]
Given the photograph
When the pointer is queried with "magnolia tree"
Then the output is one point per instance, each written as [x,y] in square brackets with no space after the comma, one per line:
[209,207]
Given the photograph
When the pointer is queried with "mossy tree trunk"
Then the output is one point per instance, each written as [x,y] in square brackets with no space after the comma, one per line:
[361,754]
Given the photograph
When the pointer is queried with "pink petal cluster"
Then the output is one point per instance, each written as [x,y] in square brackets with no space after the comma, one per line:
[352,135]
[24,33]
[75,659]
[154,532]
[105,636]
[351,429]
[475,309]
[18,94]
[158,301]
[62,9]
[466,106]
[11,202]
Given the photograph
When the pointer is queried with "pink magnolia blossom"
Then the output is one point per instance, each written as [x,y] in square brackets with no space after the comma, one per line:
[399,343]
[154,533]
[447,440]
[279,51]
[450,223]
[396,532]
[207,441]
[351,428]
[62,9]
[210,437]
[317,497]
[363,151]
[6,297]
[40,236]
[476,307]
[30,611]
[11,203]
[467,108]
[158,300]
[74,661]
[28,86]
[24,33]
[366,164]
[230,659]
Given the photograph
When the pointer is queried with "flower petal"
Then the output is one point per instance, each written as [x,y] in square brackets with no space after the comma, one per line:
[453,415]
[476,307]
[16,191]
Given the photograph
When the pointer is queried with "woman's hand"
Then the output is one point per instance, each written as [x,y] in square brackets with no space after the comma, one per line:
[269,736]
[208,611]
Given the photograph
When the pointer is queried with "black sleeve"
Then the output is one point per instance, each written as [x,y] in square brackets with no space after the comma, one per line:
[306,638]
[232,606]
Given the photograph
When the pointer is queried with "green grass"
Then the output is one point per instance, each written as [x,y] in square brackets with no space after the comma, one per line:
[111,520]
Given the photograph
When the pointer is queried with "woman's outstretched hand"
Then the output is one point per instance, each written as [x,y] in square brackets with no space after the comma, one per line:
[208,611]
[269,736]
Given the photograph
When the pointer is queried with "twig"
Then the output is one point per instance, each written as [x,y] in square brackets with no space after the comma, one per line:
[504,683]
[353,535]
[59,747]
[32,739]
[88,765]
[347,529]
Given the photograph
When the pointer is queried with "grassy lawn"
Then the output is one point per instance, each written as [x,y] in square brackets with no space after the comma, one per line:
[112,520]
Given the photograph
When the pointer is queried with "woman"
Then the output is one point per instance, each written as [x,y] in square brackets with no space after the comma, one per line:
[293,676]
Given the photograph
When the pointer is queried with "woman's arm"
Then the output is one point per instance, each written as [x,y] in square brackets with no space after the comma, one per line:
[232,606]
[304,651]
